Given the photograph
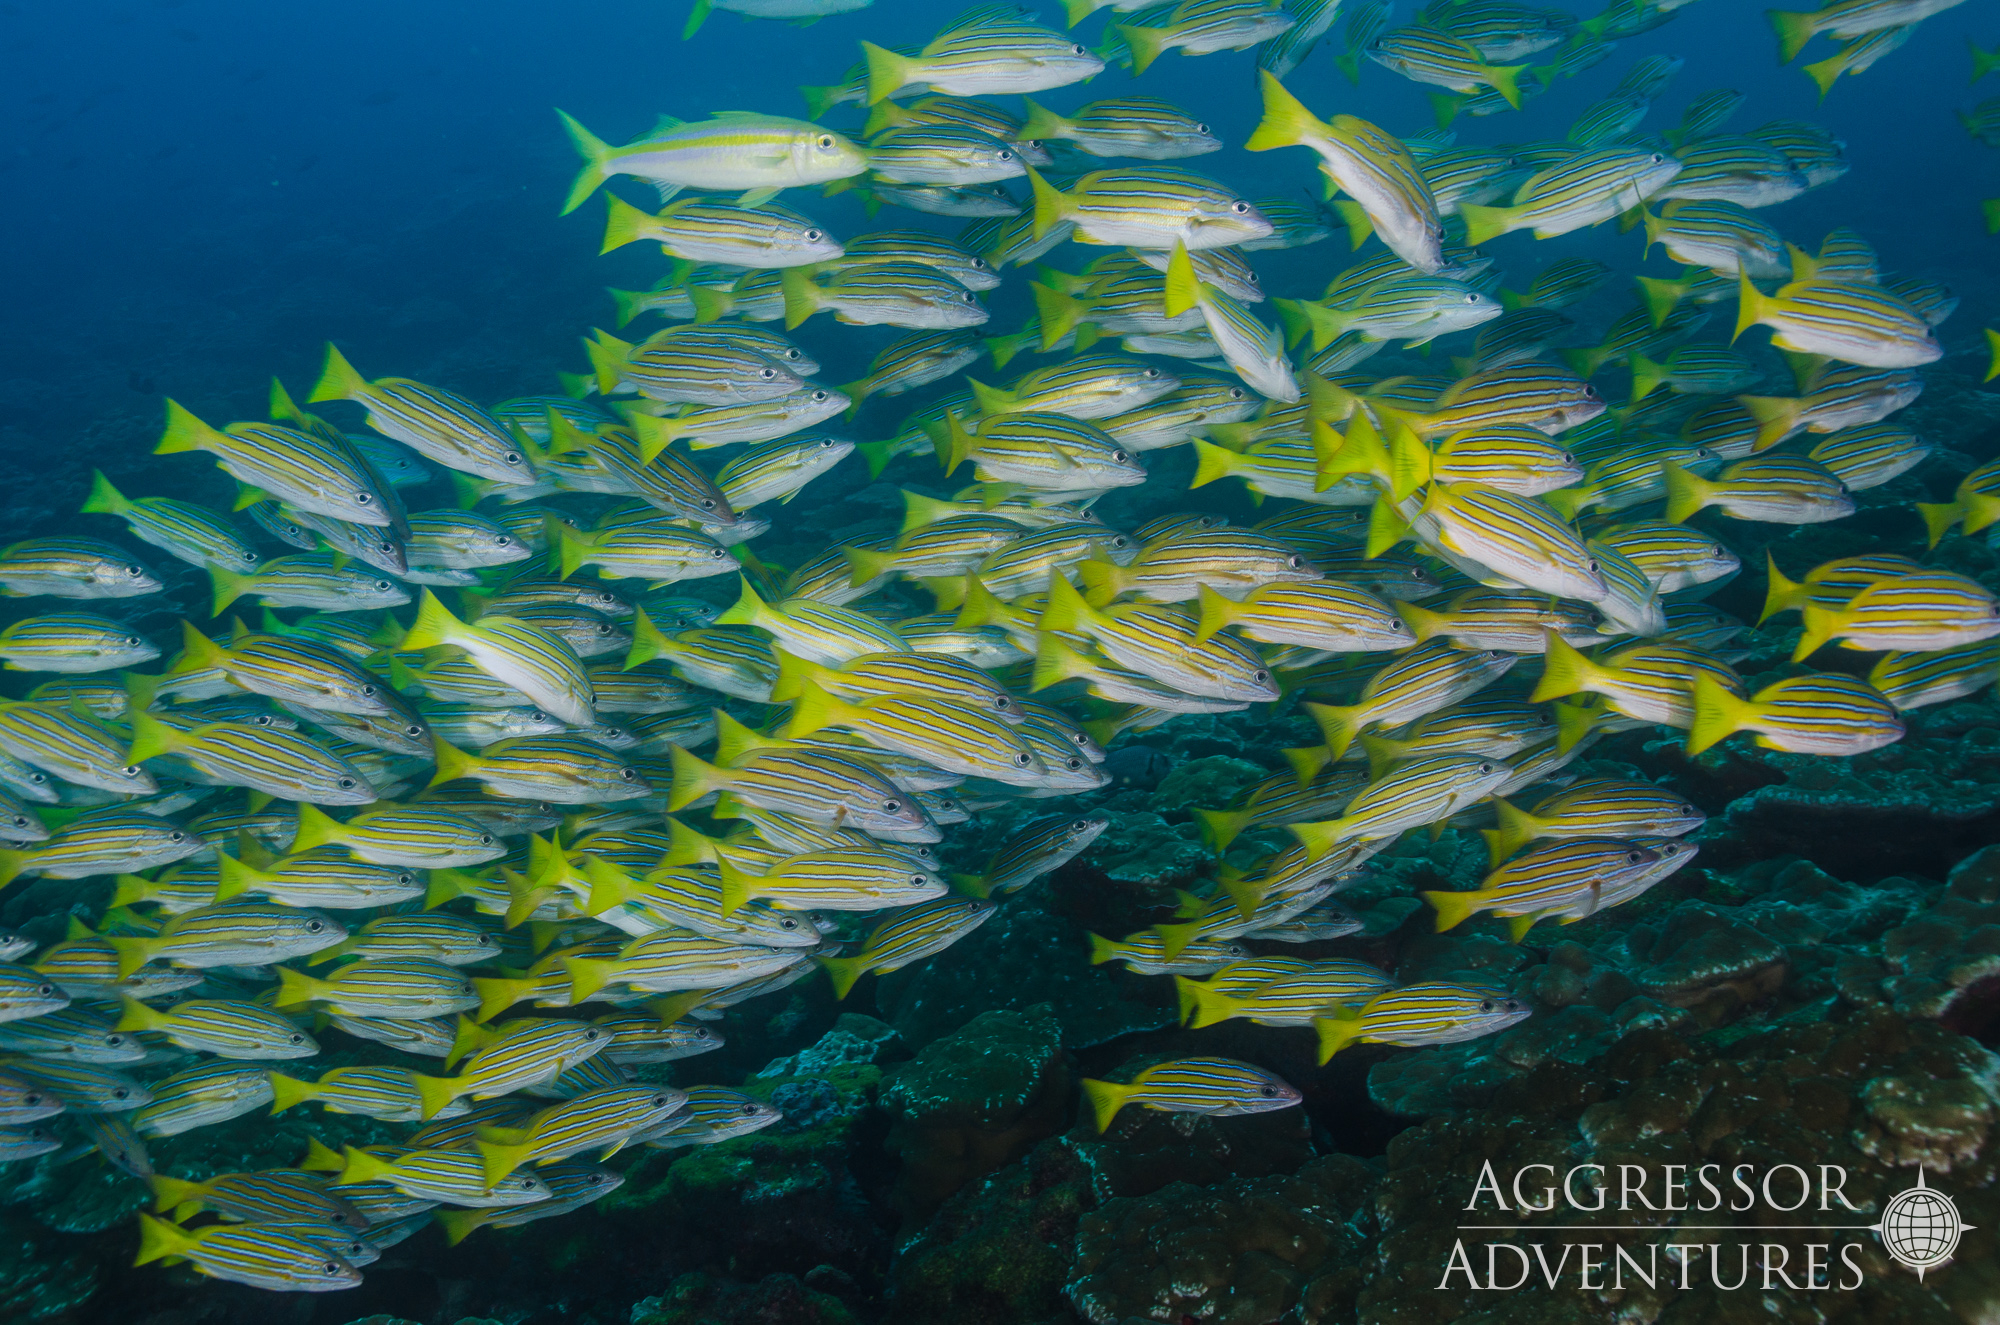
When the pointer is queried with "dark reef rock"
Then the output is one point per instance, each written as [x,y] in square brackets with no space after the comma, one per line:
[1025,955]
[972,1101]
[1292,1247]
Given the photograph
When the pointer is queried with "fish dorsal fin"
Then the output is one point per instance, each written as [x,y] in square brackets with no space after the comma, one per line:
[1804,265]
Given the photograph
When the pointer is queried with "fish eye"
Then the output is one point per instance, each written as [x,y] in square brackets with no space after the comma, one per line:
[1486,768]
[135,571]
[486,839]
[414,729]
[383,585]
[114,1042]
[1472,298]
[825,142]
[45,990]
[1077,49]
[315,926]
[750,1110]
[362,499]
[818,396]
[1658,158]
[1006,156]
[1486,1005]
[31,1099]
[1295,563]
[345,784]
[1074,764]
[1568,459]
[1240,207]
[330,1267]
[503,541]
[892,807]
[134,640]
[1120,456]
[1023,759]
[1269,1092]
[1236,393]
[1201,128]
[120,1093]
[813,236]
[130,770]
[700,1033]
[1260,675]
[1590,565]
[298,1039]
[512,457]
[628,774]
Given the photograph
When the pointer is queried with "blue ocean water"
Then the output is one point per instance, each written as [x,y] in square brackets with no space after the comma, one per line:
[207,192]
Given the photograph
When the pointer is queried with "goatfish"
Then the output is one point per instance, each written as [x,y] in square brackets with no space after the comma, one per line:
[759,154]
[908,935]
[1432,1012]
[1601,807]
[1855,322]
[1826,713]
[1372,167]
[1216,1086]
[1570,877]
[982,60]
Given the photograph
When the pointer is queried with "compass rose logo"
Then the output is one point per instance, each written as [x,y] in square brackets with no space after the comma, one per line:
[1920,1227]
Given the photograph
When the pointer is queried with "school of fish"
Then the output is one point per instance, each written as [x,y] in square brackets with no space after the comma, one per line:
[474,783]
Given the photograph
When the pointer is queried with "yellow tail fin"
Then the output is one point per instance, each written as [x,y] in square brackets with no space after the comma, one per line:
[1717,713]
[158,1240]
[1339,724]
[1052,208]
[1335,1034]
[844,972]
[1286,122]
[1686,493]
[295,988]
[1210,1005]
[1106,1098]
[1454,909]
[1516,829]
[1565,671]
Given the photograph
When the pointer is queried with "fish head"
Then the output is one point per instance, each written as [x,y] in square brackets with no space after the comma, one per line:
[1217,219]
[820,154]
